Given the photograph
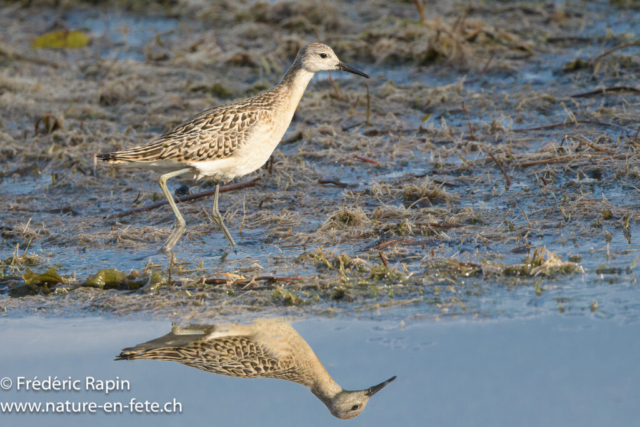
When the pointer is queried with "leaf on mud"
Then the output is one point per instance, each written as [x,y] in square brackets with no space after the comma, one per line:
[107,278]
[61,39]
[49,278]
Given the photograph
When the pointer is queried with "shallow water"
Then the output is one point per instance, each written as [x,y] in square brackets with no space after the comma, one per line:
[551,370]
[121,35]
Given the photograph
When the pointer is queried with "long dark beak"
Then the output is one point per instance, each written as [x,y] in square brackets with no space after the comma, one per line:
[344,67]
[376,388]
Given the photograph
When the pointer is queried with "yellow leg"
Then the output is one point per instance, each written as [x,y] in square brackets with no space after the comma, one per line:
[178,228]
[218,218]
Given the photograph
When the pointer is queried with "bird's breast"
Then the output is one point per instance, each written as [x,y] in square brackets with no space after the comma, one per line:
[248,158]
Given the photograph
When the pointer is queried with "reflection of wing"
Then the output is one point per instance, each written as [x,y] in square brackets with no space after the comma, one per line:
[242,353]
[236,357]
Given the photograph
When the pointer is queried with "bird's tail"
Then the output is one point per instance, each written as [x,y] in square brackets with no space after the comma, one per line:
[169,345]
[161,353]
[146,153]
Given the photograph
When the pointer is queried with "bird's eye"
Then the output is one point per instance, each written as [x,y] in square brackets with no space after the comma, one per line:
[354,407]
[323,55]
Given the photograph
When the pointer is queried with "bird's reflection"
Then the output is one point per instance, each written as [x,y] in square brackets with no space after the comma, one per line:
[264,349]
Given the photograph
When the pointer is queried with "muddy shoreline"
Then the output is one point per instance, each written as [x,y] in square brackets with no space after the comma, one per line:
[488,169]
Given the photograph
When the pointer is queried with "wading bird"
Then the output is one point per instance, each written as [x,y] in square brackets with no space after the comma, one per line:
[231,140]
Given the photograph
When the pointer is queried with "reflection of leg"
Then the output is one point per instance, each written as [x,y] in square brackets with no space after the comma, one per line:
[218,218]
[180,224]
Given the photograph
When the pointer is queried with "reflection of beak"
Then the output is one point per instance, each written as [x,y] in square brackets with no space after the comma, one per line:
[376,388]
[344,67]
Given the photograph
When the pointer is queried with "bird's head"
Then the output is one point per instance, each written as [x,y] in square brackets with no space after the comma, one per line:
[320,57]
[349,404]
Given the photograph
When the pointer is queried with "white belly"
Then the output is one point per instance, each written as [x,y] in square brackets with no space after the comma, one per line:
[250,157]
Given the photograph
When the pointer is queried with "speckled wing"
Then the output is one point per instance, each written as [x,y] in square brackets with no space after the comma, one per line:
[209,136]
[213,134]
[235,356]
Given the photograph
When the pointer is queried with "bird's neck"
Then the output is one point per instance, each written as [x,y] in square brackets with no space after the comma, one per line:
[325,388]
[295,82]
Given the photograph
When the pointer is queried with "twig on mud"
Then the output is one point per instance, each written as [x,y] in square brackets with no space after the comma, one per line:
[226,188]
[635,138]
[604,90]
[383,259]
[336,183]
[243,282]
[506,177]
[366,160]
[523,213]
[610,51]
[589,144]
[471,135]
